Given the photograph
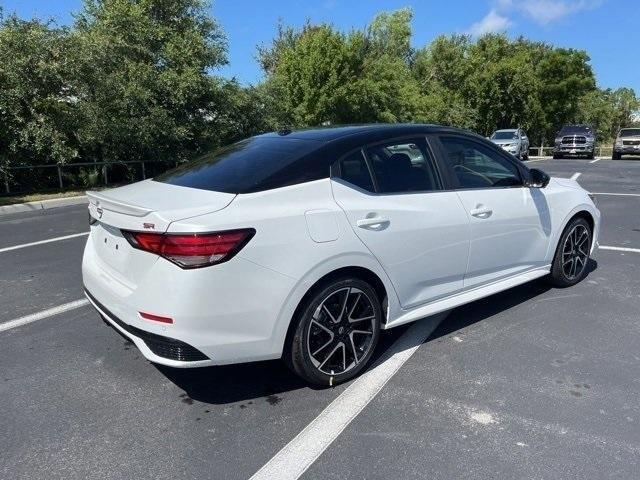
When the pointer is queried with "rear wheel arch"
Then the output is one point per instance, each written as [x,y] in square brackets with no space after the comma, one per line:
[362,273]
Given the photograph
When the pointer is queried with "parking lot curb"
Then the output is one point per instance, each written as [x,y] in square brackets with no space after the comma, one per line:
[42,205]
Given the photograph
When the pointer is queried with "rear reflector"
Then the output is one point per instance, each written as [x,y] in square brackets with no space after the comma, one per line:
[155,318]
[192,250]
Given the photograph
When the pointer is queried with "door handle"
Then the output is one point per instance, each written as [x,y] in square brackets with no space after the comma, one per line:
[372,221]
[481,212]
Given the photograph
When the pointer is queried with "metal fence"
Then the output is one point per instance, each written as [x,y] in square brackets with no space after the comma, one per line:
[32,178]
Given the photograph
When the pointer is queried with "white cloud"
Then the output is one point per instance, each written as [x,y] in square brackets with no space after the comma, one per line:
[544,12]
[492,22]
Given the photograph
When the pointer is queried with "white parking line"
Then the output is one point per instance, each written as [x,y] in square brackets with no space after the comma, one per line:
[18,322]
[619,249]
[575,176]
[300,453]
[617,194]
[594,160]
[40,242]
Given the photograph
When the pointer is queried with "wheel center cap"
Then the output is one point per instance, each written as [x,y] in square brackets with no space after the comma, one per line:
[341,330]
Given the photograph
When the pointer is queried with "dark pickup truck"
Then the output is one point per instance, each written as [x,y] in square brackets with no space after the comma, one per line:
[575,140]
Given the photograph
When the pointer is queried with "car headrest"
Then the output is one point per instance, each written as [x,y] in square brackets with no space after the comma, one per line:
[400,161]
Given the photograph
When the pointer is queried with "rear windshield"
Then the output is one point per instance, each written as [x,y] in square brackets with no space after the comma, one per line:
[251,165]
[504,135]
[630,132]
[575,130]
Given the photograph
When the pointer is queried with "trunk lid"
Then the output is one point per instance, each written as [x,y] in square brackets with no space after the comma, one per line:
[152,206]
[144,206]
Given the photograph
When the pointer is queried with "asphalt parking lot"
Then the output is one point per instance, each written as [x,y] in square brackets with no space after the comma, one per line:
[534,382]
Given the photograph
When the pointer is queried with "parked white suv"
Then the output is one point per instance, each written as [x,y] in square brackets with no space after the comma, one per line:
[306,244]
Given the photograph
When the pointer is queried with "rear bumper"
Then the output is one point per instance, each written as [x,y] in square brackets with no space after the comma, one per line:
[157,348]
[223,314]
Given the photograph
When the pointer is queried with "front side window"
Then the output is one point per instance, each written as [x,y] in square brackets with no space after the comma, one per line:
[403,166]
[476,166]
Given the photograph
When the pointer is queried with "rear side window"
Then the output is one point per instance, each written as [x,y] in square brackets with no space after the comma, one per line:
[403,166]
[476,166]
[353,169]
[252,165]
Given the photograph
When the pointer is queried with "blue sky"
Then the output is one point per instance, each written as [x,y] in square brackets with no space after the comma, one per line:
[607,29]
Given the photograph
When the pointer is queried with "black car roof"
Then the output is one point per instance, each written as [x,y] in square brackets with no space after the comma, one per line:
[364,133]
[289,157]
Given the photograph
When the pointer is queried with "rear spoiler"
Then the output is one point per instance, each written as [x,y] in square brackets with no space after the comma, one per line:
[103,201]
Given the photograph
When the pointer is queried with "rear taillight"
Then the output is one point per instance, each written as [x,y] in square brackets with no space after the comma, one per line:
[192,250]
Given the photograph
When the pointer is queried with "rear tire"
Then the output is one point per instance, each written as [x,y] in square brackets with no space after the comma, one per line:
[336,332]
[572,254]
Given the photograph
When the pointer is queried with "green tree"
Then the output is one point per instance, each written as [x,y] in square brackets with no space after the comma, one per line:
[318,75]
[627,107]
[598,109]
[37,108]
[566,77]
[142,73]
[494,82]
[442,70]
[501,87]
[390,34]
[608,111]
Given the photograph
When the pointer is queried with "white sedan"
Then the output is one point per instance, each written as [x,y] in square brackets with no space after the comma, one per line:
[304,245]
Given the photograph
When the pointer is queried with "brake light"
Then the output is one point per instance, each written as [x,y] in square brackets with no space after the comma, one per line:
[193,250]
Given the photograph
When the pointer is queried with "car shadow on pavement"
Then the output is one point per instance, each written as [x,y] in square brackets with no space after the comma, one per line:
[484,308]
[269,379]
[234,383]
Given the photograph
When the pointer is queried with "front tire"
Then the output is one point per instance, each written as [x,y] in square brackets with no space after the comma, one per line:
[572,254]
[336,332]
[616,156]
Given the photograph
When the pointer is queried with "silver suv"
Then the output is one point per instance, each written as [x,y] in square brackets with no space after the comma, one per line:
[627,143]
[513,140]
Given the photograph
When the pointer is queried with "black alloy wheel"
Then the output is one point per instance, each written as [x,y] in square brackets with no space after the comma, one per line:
[336,333]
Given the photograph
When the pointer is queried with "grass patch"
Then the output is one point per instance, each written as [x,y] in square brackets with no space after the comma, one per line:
[36,197]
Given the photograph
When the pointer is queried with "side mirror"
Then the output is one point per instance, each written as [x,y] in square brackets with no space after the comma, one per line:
[538,179]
